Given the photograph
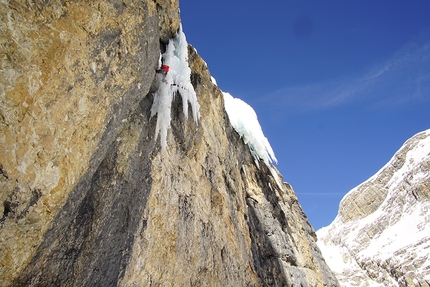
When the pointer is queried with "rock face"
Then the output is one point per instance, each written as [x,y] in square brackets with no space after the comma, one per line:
[88,196]
[381,235]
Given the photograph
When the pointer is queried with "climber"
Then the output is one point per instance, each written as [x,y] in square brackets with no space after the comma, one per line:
[164,69]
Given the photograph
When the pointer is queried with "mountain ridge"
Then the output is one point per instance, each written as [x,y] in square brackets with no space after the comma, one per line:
[380,235]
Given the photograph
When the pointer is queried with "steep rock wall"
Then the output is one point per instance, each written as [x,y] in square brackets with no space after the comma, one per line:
[90,199]
[71,74]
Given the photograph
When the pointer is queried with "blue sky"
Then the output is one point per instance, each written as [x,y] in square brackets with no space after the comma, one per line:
[338,86]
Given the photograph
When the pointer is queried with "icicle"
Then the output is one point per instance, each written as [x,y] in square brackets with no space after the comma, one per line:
[177,80]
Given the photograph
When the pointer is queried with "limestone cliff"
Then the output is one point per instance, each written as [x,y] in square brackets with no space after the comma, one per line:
[88,196]
[381,236]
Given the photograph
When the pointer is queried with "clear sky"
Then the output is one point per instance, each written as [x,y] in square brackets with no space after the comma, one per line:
[338,86]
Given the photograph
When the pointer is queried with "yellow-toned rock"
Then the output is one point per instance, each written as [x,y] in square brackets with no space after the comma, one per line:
[90,198]
[70,73]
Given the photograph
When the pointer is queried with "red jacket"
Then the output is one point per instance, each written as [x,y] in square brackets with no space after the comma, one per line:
[164,69]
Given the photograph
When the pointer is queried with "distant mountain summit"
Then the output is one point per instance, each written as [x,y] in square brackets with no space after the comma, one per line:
[381,235]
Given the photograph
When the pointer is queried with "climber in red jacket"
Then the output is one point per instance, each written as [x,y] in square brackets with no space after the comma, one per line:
[164,69]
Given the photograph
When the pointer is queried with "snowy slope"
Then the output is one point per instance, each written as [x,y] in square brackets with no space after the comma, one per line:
[381,236]
[244,120]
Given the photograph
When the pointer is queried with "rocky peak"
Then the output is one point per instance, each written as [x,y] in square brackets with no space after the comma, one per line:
[89,196]
[381,234]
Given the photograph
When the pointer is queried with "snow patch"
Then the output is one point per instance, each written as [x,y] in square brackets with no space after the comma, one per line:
[413,157]
[177,80]
[213,81]
[244,120]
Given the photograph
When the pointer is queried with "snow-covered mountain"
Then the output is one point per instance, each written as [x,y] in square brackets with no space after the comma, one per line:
[381,235]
